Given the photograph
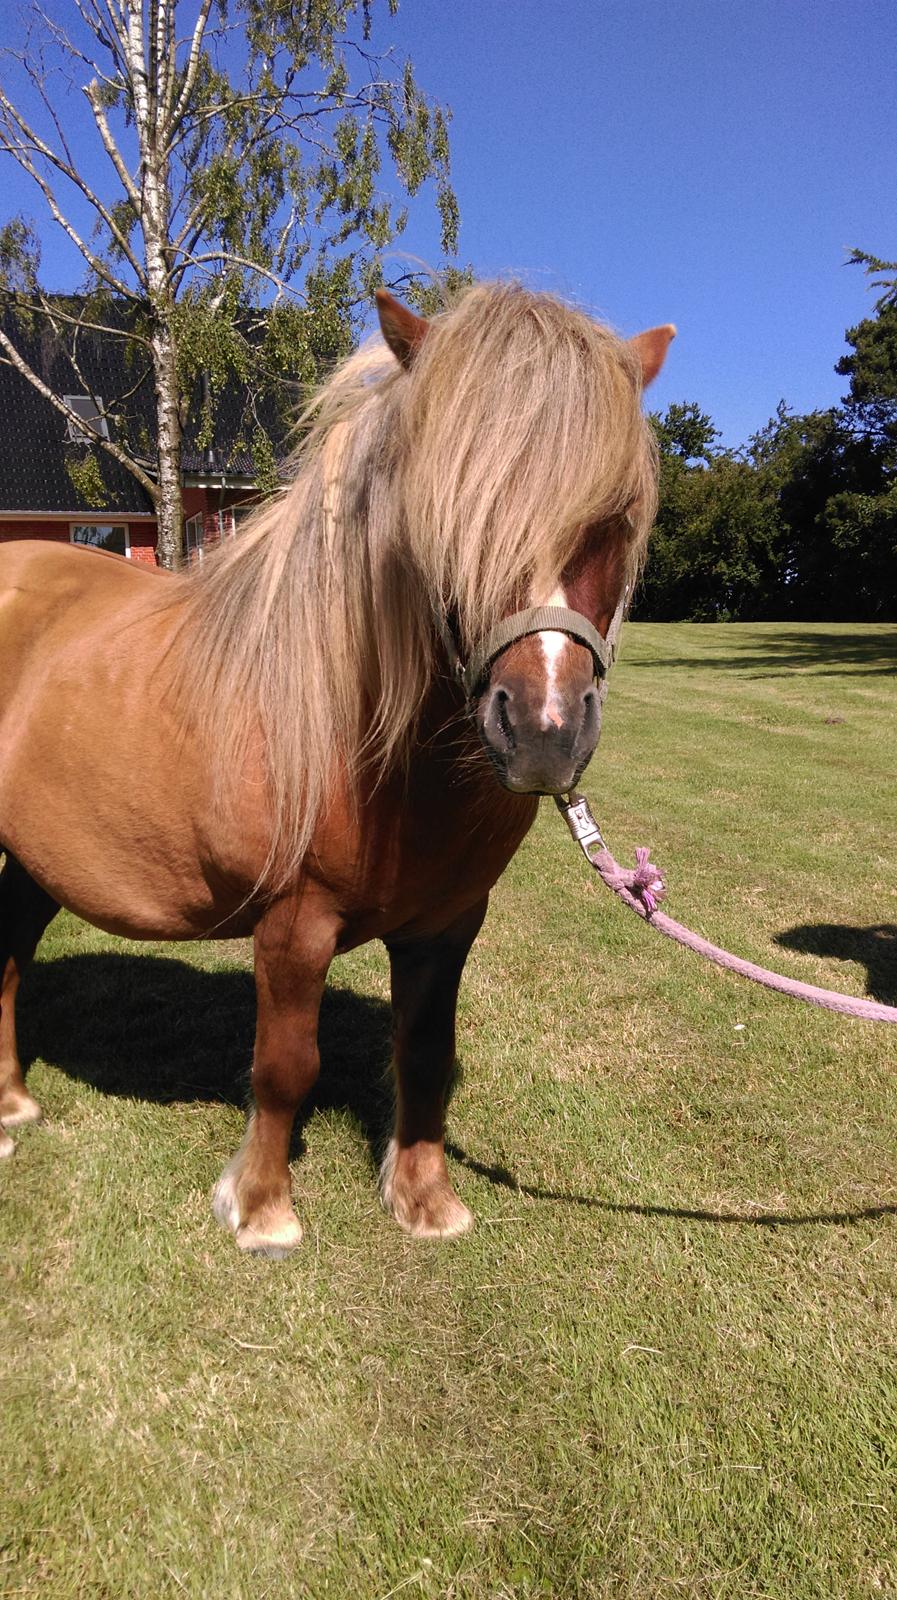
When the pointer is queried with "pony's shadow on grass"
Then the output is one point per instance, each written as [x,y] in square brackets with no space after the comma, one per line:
[874,947]
[158,1029]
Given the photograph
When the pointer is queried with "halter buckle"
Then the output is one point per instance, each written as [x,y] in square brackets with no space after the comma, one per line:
[575,810]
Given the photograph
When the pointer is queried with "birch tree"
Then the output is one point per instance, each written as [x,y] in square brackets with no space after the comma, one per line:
[217,167]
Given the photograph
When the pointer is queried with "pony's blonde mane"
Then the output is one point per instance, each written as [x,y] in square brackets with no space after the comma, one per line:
[466,483]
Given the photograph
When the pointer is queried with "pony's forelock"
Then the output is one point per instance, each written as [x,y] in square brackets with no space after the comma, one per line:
[467,483]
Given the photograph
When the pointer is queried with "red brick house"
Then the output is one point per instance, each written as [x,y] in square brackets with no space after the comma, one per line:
[45,491]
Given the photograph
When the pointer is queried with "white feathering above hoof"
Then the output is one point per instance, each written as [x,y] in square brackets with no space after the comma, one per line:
[273,1231]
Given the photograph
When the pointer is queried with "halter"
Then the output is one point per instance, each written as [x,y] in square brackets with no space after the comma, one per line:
[535,619]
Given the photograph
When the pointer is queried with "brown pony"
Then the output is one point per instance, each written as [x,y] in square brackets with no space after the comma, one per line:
[309,767]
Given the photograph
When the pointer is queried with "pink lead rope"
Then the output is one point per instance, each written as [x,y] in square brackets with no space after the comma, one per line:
[642,888]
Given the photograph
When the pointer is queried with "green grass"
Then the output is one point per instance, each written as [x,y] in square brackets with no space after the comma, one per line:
[664,1363]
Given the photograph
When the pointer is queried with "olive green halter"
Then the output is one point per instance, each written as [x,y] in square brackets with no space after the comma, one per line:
[535,619]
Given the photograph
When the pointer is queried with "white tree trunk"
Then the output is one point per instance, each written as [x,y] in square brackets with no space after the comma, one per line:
[169,507]
[155,219]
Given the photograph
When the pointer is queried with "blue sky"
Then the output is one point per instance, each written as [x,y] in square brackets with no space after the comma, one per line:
[705,162]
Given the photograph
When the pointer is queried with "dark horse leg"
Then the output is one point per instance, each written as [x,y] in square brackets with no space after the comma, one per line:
[25,911]
[414,1180]
[294,944]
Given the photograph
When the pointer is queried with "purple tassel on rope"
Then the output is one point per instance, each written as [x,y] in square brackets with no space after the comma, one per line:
[643,887]
[647,881]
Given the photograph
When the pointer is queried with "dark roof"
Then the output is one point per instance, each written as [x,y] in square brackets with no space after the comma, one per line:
[34,443]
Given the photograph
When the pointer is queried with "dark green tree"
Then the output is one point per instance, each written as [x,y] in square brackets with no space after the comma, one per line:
[242,217]
[832,483]
[712,551]
[684,433]
[872,364]
[800,524]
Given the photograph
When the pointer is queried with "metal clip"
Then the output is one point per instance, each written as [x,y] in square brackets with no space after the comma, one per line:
[585,830]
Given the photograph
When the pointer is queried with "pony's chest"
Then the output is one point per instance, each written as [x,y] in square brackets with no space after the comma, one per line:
[420,865]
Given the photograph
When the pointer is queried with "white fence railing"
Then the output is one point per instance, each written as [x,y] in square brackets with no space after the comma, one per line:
[208,528]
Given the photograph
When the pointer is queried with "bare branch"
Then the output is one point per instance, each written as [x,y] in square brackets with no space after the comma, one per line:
[54,312]
[91,91]
[174,118]
[14,359]
[100,267]
[190,125]
[107,26]
[66,43]
[230,259]
[98,17]
[324,105]
[111,402]
[18,145]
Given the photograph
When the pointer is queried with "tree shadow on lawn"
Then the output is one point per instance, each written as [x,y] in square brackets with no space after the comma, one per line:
[762,657]
[157,1029]
[875,947]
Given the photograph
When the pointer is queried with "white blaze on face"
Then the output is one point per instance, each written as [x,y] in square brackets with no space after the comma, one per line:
[553,647]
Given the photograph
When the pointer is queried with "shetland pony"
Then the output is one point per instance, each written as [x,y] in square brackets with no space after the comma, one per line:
[308,765]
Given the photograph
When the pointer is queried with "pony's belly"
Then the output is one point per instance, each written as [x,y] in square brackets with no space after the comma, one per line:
[115,851]
[114,893]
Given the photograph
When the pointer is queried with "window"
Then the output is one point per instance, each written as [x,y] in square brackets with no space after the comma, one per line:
[89,407]
[103,535]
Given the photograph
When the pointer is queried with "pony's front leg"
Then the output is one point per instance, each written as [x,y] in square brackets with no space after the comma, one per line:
[294,944]
[414,1180]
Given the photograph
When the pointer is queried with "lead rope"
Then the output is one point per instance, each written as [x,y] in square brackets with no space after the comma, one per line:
[643,887]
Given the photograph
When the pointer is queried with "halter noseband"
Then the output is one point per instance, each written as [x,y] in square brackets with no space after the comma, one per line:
[535,619]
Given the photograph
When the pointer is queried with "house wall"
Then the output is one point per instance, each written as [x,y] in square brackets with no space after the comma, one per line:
[210,501]
[142,535]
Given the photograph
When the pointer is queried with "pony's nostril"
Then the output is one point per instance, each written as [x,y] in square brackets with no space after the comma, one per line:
[499,722]
[503,714]
[590,727]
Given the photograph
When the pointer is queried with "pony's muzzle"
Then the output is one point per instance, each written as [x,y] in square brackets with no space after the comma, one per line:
[538,749]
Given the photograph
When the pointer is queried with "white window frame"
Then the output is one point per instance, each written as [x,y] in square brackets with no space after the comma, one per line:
[84,543]
[98,427]
[193,536]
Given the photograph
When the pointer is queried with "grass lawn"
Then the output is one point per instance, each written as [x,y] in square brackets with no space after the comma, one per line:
[664,1362]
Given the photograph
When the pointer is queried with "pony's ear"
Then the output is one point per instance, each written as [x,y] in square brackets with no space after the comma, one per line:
[651,349]
[402,330]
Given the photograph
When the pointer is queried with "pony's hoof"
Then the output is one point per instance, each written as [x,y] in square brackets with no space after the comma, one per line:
[273,1232]
[7,1145]
[274,1239]
[427,1209]
[17,1107]
[437,1214]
